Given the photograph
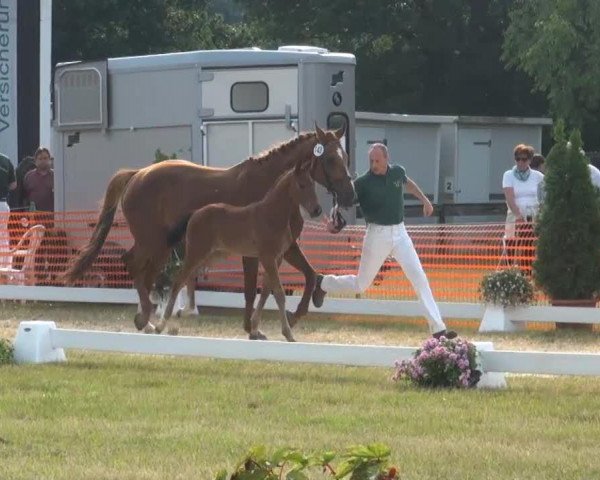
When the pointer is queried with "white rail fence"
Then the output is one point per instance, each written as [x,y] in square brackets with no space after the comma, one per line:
[42,342]
[492,318]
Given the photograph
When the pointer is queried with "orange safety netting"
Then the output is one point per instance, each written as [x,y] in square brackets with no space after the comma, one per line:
[455,257]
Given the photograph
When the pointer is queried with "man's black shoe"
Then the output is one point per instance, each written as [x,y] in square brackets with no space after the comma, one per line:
[449,334]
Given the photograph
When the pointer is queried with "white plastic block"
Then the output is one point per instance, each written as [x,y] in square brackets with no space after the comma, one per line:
[33,343]
[496,319]
[488,379]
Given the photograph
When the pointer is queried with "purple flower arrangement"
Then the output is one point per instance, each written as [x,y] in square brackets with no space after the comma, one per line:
[441,363]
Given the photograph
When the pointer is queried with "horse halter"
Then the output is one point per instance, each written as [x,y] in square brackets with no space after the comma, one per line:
[317,154]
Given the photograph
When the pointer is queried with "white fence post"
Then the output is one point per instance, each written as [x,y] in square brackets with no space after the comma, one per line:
[33,343]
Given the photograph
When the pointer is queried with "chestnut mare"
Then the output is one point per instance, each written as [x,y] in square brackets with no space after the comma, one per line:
[261,230]
[158,197]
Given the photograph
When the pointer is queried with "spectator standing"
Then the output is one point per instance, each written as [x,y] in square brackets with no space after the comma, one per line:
[520,185]
[7,184]
[38,184]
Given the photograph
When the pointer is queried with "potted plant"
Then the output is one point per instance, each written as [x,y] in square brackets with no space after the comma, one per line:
[567,265]
[500,290]
[441,363]
[506,288]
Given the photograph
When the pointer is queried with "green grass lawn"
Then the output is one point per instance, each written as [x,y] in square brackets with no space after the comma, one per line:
[114,416]
[134,417]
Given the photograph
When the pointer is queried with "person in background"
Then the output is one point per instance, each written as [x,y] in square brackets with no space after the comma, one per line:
[594,175]
[520,185]
[38,189]
[7,184]
[25,166]
[538,162]
[38,184]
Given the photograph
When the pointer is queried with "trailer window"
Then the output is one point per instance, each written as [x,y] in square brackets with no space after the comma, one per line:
[249,97]
[81,100]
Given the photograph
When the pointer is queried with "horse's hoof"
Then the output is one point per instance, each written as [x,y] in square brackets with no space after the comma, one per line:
[318,295]
[149,328]
[155,297]
[139,321]
[187,312]
[257,336]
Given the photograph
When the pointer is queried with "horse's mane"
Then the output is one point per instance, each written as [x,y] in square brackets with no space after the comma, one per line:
[279,148]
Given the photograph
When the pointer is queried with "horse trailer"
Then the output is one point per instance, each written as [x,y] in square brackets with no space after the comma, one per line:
[214,108]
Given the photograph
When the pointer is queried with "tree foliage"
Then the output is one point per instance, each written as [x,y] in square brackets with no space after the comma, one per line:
[114,28]
[557,43]
[416,56]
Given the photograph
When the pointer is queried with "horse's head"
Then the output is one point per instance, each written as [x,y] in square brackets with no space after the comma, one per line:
[330,166]
[303,189]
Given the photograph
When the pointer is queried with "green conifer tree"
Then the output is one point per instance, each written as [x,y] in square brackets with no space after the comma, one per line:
[567,265]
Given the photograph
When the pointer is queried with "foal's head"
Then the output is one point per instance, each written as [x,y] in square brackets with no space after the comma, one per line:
[303,189]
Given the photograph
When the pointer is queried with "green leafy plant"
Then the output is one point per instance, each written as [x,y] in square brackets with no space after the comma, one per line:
[161,157]
[441,363]
[165,277]
[507,288]
[6,352]
[360,462]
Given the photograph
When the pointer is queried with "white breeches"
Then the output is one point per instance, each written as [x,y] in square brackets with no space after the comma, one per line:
[379,242]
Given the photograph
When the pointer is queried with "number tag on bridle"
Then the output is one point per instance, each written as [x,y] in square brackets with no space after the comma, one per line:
[318,150]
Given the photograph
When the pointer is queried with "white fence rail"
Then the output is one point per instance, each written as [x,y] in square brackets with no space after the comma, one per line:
[41,341]
[493,319]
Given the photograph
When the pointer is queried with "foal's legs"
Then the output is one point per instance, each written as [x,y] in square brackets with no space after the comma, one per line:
[295,257]
[190,307]
[266,290]
[250,265]
[255,333]
[270,266]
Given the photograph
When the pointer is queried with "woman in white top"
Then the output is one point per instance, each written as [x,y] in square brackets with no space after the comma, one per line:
[520,185]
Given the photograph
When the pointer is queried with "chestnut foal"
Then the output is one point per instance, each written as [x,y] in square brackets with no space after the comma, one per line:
[260,229]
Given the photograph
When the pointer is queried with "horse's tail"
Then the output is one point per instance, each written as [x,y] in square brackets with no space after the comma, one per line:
[114,192]
[176,234]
